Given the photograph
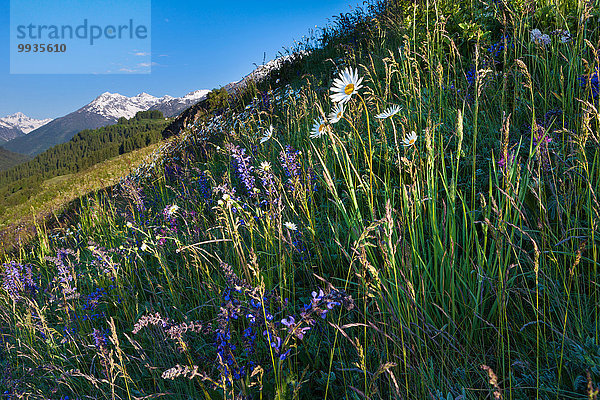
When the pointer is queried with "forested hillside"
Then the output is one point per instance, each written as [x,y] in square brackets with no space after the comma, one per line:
[87,148]
[8,159]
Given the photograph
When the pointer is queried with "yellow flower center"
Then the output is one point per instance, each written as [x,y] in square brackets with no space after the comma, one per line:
[339,115]
[322,128]
[349,89]
[412,141]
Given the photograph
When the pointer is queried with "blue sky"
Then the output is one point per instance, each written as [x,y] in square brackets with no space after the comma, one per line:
[195,45]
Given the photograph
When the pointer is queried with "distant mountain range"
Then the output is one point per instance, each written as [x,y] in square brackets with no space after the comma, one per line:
[17,125]
[105,110]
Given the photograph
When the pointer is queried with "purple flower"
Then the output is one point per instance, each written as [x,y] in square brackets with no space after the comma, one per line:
[254,303]
[332,304]
[289,321]
[276,343]
[546,140]
[17,279]
[300,332]
[65,272]
[204,186]
[290,164]
[100,339]
[502,163]
[243,167]
[283,356]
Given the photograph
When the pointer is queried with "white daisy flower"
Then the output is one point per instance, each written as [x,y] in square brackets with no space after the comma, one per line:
[267,135]
[172,209]
[337,113]
[320,128]
[291,226]
[345,85]
[389,112]
[410,139]
[144,247]
[265,166]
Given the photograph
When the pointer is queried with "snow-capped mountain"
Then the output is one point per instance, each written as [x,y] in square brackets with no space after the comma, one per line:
[115,105]
[23,122]
[104,110]
[17,125]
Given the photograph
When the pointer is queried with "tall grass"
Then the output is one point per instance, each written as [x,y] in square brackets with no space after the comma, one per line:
[462,266]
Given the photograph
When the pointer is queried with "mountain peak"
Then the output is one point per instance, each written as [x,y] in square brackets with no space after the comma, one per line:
[22,122]
[115,105]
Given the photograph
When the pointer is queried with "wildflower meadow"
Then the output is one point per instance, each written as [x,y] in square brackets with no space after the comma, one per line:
[405,209]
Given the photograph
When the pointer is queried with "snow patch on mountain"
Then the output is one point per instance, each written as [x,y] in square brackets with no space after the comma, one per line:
[195,95]
[22,122]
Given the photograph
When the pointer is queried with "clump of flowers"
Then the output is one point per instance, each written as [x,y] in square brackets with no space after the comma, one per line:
[173,172]
[150,320]
[497,48]
[17,280]
[66,273]
[266,176]
[133,191]
[102,259]
[565,36]
[471,76]
[290,164]
[539,38]
[248,319]
[203,185]
[540,137]
[170,217]
[243,167]
[101,343]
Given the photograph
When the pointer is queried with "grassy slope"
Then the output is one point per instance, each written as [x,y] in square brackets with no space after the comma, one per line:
[468,278]
[9,159]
